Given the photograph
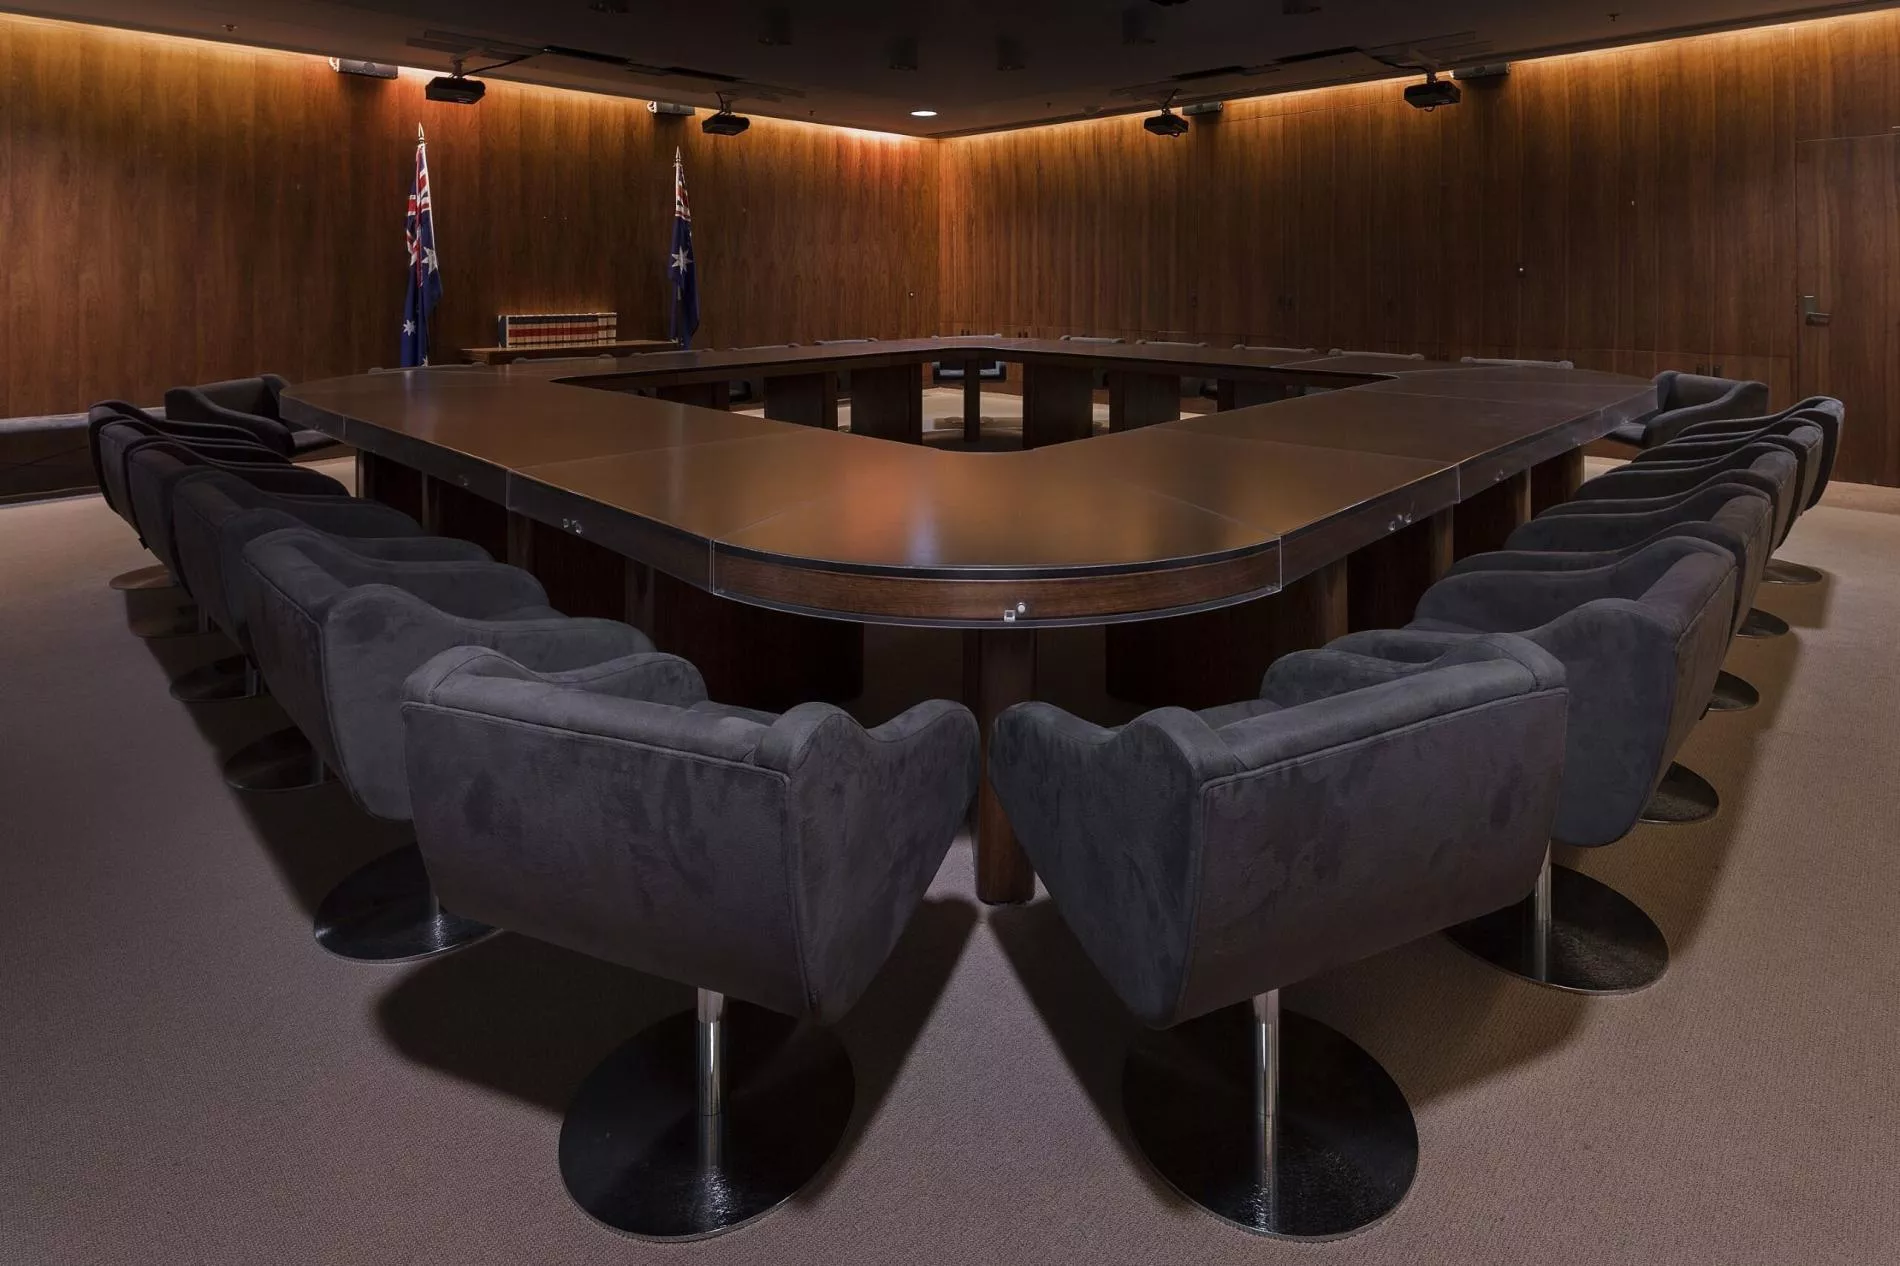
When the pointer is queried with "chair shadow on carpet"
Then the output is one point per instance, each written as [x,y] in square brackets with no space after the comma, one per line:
[1438,1020]
[315,837]
[530,1020]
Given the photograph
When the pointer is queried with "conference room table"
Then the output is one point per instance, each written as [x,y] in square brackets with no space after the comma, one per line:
[1205,545]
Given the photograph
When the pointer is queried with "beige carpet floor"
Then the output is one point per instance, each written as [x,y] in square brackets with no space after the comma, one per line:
[188,1079]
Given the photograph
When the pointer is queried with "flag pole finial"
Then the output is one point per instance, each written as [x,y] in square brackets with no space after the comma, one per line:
[419,136]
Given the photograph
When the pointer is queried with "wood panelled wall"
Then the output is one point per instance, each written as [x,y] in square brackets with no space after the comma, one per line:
[180,211]
[1662,206]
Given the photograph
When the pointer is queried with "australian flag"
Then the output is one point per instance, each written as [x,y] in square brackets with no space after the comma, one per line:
[425,279]
[682,276]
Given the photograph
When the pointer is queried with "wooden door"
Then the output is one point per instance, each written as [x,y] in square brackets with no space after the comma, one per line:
[1848,217]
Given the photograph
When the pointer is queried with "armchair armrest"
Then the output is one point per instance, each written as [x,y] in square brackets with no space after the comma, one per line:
[470,590]
[646,676]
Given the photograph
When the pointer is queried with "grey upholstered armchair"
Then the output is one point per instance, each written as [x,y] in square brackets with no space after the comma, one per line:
[1806,440]
[1205,859]
[335,633]
[1764,465]
[611,809]
[112,437]
[251,404]
[1744,460]
[1641,641]
[1825,412]
[152,466]
[107,412]
[215,514]
[1737,517]
[1682,400]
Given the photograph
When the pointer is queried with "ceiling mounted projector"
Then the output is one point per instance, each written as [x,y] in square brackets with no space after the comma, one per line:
[1167,123]
[1434,92]
[456,89]
[725,123]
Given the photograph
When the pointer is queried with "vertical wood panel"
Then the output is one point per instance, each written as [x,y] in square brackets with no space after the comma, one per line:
[178,211]
[1648,195]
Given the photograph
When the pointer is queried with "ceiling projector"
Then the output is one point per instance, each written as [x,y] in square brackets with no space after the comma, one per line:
[1167,123]
[725,123]
[455,89]
[1431,94]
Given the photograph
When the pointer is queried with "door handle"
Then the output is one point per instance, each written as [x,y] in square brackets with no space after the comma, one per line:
[1811,313]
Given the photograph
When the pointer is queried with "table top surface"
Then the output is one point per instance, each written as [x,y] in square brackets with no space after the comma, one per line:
[1179,516]
[1186,359]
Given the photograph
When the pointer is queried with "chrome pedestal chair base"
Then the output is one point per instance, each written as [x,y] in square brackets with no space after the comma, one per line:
[233,677]
[1683,796]
[157,576]
[1732,694]
[1272,1122]
[1572,933]
[386,912]
[282,761]
[1763,624]
[705,1121]
[1780,573]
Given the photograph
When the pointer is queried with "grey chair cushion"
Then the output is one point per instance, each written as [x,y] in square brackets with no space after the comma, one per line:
[335,632]
[154,468]
[610,809]
[1739,519]
[216,513]
[1199,864]
[1641,641]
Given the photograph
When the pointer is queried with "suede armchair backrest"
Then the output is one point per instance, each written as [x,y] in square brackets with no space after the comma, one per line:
[336,633]
[1685,399]
[115,439]
[1779,475]
[110,412]
[1739,519]
[1803,439]
[154,467]
[250,403]
[1641,642]
[608,809]
[215,514]
[1201,866]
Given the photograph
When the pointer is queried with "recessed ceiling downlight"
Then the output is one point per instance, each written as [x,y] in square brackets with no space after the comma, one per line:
[923,114]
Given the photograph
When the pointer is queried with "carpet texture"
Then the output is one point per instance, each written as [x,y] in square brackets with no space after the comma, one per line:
[190,1080]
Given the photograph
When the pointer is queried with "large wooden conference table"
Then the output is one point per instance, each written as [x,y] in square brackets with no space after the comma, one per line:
[1208,545]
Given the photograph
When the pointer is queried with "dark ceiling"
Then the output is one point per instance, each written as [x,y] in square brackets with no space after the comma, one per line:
[981,64]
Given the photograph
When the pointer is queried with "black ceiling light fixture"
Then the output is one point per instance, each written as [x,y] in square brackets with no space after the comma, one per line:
[724,123]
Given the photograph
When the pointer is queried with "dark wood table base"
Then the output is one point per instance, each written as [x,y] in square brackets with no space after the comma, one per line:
[1556,481]
[999,669]
[750,656]
[1485,520]
[1137,399]
[807,399]
[1386,579]
[1058,404]
[1215,657]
